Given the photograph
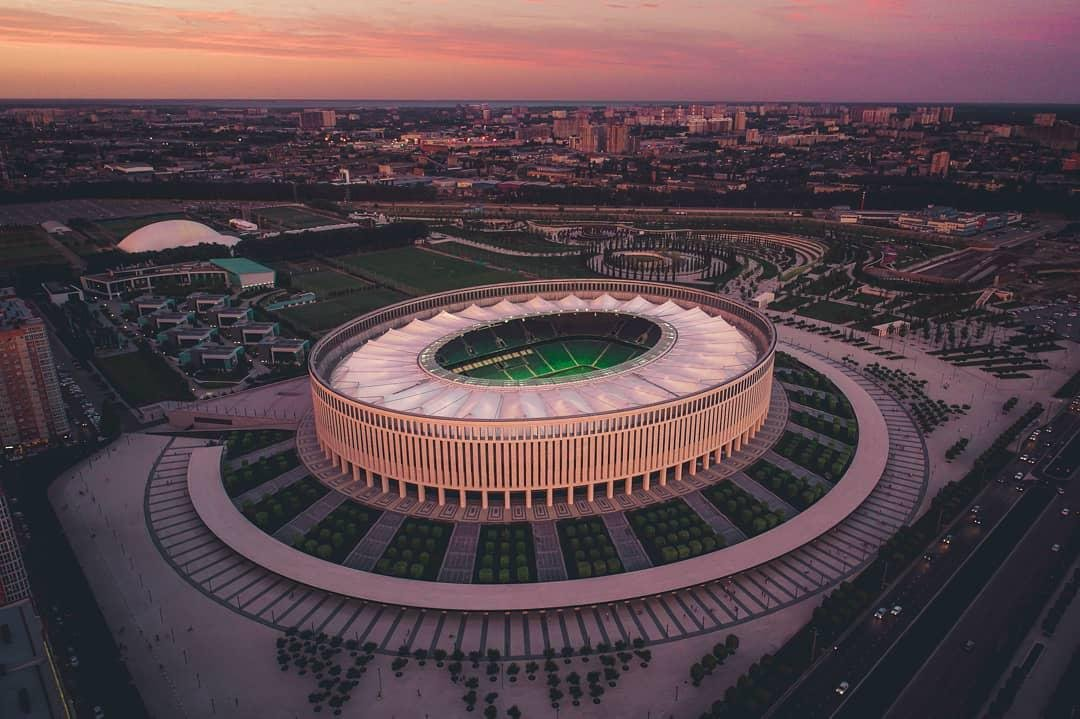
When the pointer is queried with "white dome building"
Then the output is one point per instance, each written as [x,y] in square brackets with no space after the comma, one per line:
[168,234]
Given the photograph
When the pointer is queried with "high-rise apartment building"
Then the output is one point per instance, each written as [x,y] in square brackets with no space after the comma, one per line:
[317,119]
[31,407]
[620,141]
[740,120]
[939,163]
[14,584]
[1045,119]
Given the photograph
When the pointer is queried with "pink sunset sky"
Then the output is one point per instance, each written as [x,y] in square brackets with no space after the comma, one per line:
[853,50]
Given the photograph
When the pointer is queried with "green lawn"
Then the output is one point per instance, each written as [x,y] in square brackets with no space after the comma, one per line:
[295,218]
[569,266]
[425,271]
[326,314]
[142,378]
[326,281]
[121,227]
[26,246]
[835,312]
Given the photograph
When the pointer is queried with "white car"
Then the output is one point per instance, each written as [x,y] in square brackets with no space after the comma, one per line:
[895,611]
[842,688]
[1065,512]
[1018,476]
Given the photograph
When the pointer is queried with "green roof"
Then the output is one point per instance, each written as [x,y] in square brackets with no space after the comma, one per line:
[240,265]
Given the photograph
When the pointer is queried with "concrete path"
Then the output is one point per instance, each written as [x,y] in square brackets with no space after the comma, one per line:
[714,518]
[269,451]
[821,438]
[299,525]
[795,468]
[271,486]
[460,556]
[631,553]
[550,566]
[375,542]
[762,493]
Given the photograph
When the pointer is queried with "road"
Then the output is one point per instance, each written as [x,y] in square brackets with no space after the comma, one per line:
[986,619]
[863,658]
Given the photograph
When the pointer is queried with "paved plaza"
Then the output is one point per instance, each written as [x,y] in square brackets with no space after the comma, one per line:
[157,570]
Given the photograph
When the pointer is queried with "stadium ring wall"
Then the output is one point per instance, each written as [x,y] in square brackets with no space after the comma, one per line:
[551,457]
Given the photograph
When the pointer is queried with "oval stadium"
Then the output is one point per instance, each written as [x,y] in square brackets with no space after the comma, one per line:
[541,392]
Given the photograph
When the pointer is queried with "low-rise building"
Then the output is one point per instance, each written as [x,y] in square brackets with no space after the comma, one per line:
[221,358]
[283,351]
[179,338]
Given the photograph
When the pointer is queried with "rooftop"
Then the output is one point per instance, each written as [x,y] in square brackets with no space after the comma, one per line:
[389,371]
[240,265]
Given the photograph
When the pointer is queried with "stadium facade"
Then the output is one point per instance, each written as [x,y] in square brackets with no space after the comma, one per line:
[541,392]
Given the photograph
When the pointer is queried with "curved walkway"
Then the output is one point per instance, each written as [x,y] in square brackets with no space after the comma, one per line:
[222,575]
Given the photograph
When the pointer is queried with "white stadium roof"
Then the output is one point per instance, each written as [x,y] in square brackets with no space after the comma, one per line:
[167,234]
[386,371]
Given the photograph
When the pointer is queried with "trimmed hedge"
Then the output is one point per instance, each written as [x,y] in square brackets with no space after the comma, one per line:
[587,548]
[417,550]
[672,531]
[505,555]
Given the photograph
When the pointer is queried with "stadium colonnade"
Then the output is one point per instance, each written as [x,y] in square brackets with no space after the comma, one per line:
[541,460]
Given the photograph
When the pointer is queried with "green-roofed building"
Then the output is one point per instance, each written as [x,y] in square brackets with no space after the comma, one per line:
[245,273]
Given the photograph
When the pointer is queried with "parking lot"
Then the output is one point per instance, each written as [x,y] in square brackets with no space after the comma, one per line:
[1062,318]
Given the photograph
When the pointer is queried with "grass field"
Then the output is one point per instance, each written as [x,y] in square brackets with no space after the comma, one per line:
[293,218]
[121,227]
[829,311]
[569,266]
[27,246]
[326,281]
[425,271]
[520,241]
[326,314]
[139,380]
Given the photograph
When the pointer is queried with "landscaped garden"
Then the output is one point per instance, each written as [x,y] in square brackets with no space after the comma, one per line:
[273,512]
[420,272]
[830,403]
[505,555]
[241,442]
[587,548]
[820,459]
[339,532]
[672,531]
[835,312]
[749,514]
[836,428]
[247,476]
[796,491]
[417,550]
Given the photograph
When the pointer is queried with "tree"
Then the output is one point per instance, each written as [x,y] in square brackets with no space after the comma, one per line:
[732,643]
[111,421]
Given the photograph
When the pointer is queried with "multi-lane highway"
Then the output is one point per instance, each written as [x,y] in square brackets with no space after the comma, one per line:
[1008,544]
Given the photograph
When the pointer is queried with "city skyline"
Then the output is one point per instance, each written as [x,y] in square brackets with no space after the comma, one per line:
[841,51]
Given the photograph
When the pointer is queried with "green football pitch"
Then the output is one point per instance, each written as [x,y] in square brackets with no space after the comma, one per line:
[560,358]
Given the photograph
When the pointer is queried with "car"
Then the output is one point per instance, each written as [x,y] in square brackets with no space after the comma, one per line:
[927,557]
[947,539]
[1061,490]
[99,713]
[1019,488]
[969,645]
[842,688]
[1049,430]
[975,509]
[880,613]
[976,521]
[1065,512]
[1023,458]
[1032,460]
[895,611]
[1055,547]
[1018,476]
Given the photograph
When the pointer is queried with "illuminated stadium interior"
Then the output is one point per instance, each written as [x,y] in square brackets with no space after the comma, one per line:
[550,346]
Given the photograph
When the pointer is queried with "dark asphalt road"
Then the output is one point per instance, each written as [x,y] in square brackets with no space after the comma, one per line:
[864,657]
